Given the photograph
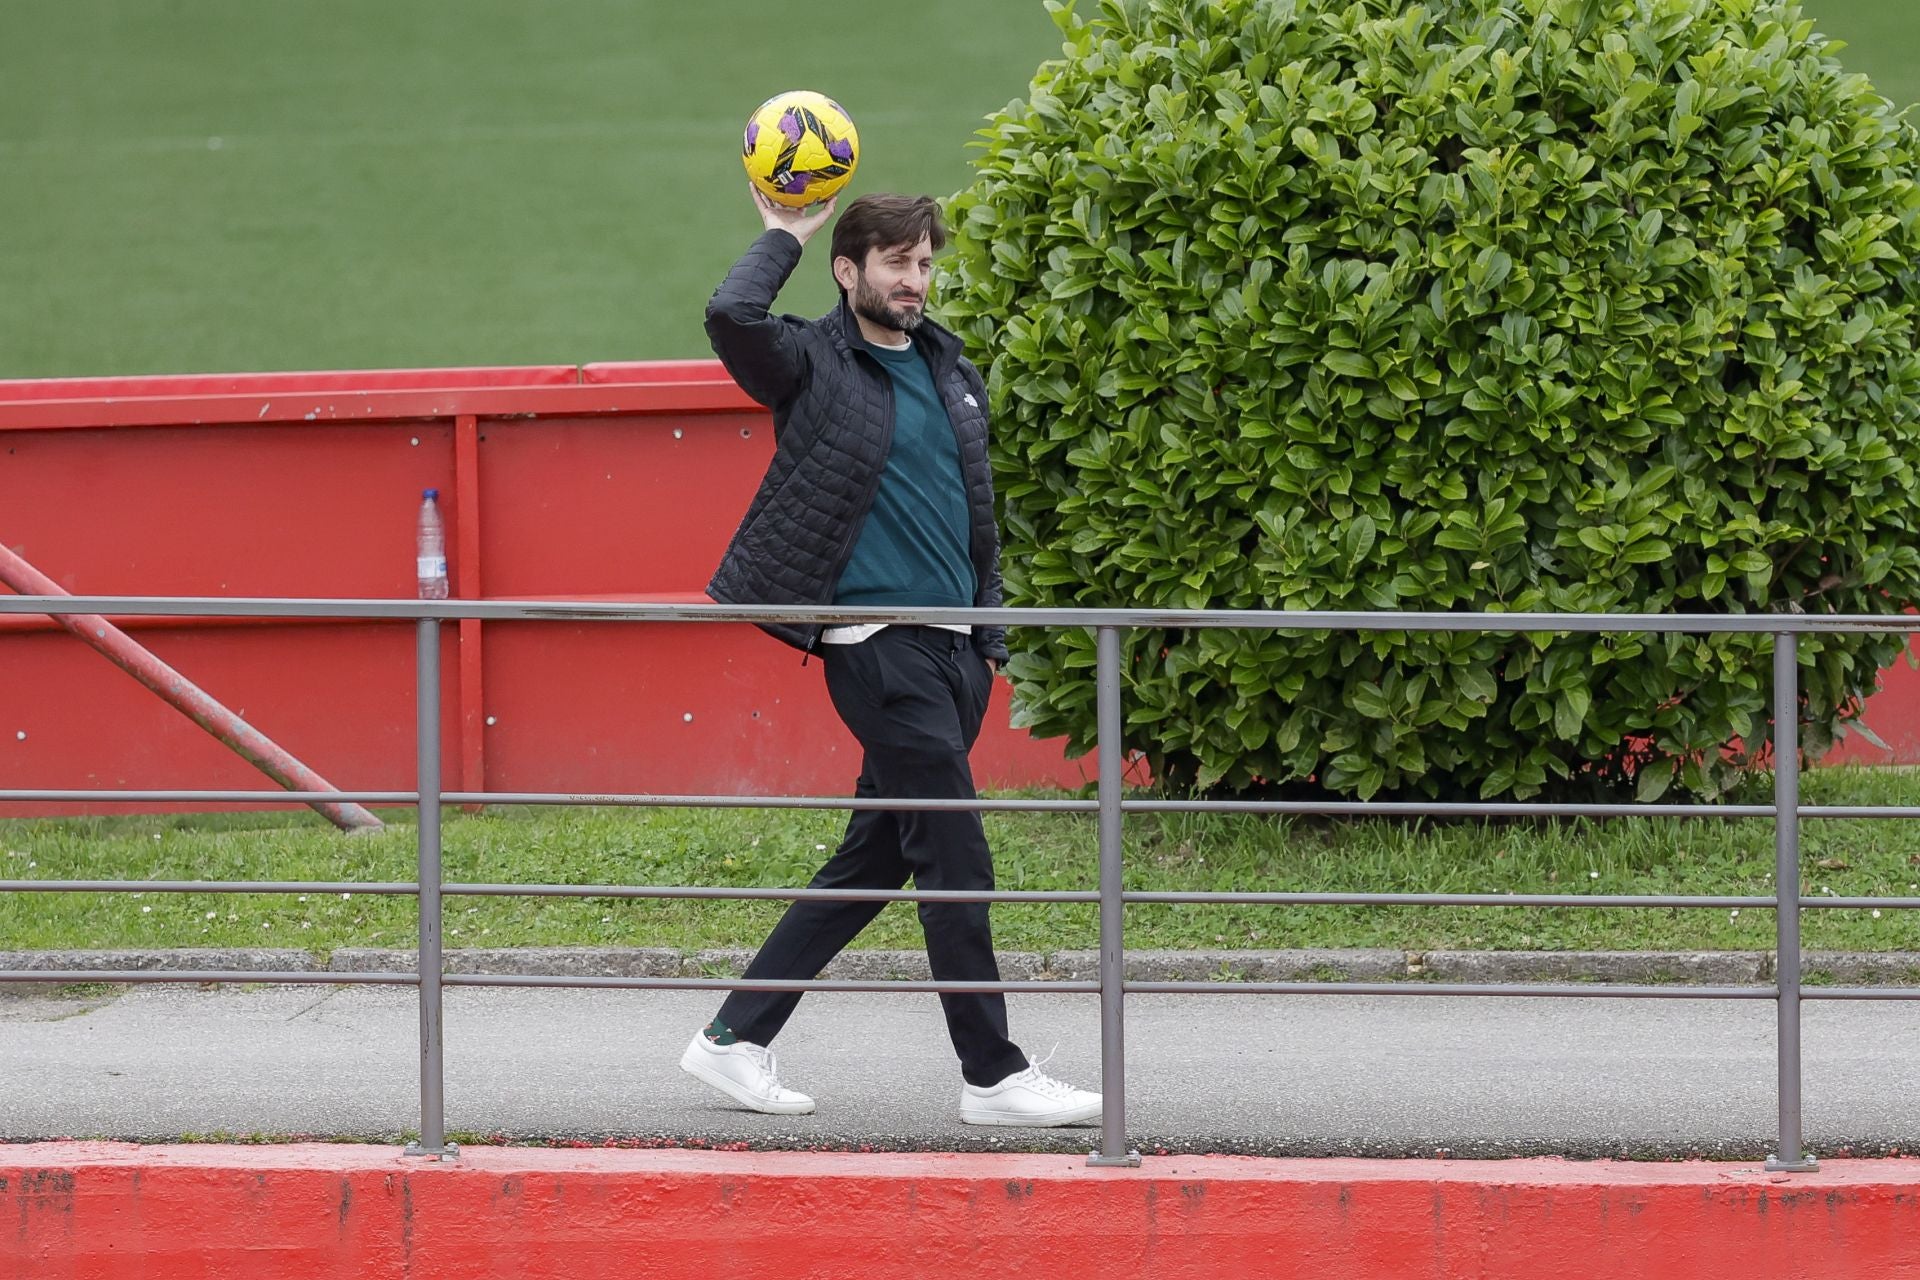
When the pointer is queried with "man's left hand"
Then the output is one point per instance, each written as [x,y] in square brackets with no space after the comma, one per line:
[801,223]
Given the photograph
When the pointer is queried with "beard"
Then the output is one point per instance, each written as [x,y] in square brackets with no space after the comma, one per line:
[869,304]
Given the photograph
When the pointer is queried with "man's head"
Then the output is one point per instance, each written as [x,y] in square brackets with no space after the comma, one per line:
[883,249]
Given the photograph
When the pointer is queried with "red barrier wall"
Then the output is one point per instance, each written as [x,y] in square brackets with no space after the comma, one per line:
[606,482]
[609,482]
[88,1211]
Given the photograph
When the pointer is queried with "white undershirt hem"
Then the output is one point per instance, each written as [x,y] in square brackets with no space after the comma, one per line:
[868,630]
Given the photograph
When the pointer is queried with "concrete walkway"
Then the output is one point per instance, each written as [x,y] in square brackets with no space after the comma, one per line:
[1368,1075]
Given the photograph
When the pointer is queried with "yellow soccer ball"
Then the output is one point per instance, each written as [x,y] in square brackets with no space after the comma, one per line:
[801,147]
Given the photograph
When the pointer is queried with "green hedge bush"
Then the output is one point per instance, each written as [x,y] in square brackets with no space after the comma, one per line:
[1510,305]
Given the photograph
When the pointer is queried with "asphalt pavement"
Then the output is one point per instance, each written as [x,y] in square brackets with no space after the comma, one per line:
[1286,1075]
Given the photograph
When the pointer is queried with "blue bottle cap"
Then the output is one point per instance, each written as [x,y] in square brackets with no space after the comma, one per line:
[431,493]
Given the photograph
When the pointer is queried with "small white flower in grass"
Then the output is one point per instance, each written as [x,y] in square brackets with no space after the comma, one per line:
[345,896]
[606,919]
[266,924]
[145,910]
[303,897]
[1593,875]
[1734,914]
[211,914]
[454,932]
[1876,913]
[820,848]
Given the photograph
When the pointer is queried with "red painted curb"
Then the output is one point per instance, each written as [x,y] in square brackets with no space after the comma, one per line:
[90,1211]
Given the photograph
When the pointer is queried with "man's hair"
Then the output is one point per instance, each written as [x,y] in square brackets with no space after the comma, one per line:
[881,221]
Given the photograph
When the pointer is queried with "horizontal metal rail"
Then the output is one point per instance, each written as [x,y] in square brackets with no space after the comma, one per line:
[758,893]
[863,985]
[1409,987]
[1336,899]
[1311,808]
[173,795]
[1418,987]
[755,893]
[292,977]
[743,893]
[1859,811]
[556,798]
[903,805]
[1437,809]
[396,887]
[1289,622]
[611,982]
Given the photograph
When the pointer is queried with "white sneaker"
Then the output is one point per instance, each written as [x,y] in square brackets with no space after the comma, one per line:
[1029,1098]
[744,1072]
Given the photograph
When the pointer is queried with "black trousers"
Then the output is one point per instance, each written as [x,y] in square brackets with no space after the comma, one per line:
[914,697]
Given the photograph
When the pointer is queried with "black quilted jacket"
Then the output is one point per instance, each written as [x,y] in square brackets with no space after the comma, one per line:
[832,408]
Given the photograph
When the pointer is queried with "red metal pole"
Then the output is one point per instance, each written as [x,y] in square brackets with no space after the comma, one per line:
[139,662]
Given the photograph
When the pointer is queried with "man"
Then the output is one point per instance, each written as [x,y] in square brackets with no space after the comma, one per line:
[879,493]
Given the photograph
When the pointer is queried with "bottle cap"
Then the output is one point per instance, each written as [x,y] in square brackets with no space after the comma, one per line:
[431,493]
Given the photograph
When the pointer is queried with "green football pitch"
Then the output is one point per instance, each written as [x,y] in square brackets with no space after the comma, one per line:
[198,185]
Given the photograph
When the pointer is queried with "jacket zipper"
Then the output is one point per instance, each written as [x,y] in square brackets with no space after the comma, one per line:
[845,553]
[960,444]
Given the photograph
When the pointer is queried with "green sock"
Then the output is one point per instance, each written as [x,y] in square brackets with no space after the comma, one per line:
[718,1032]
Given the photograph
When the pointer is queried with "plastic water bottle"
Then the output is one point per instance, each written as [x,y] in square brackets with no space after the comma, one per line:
[432,550]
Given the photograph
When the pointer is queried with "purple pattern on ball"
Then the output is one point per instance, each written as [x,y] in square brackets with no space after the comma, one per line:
[842,150]
[791,126]
[753,133]
[798,187]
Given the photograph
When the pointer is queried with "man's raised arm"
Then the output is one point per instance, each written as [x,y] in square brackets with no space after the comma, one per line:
[761,350]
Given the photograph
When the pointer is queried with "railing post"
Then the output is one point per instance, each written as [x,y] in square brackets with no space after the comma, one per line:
[433,1103]
[1113,1056]
[1786,883]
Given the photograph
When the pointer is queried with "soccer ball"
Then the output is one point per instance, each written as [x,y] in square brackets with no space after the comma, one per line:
[801,147]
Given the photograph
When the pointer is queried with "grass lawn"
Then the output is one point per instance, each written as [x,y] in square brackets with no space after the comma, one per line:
[1034,851]
[224,185]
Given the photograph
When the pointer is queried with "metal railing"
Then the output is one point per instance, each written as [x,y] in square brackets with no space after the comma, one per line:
[1111,806]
